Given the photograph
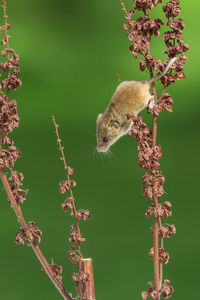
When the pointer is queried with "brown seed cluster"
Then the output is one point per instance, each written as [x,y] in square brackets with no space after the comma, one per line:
[9,120]
[75,237]
[140,32]
[149,155]
[163,255]
[76,277]
[29,233]
[16,181]
[164,102]
[161,210]
[33,234]
[165,291]
[57,270]
[146,4]
[141,29]
[8,154]
[9,65]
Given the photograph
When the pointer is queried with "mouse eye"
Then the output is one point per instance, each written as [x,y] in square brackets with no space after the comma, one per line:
[105,140]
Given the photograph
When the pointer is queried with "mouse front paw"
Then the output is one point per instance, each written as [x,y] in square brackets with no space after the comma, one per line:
[151,104]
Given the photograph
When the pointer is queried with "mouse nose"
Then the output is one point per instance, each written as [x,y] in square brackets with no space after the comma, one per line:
[101,148]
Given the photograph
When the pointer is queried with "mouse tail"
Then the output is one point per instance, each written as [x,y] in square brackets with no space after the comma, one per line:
[159,76]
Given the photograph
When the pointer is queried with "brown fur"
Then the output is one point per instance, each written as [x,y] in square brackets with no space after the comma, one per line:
[130,97]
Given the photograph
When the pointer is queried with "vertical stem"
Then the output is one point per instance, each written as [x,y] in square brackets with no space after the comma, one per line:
[7,41]
[86,286]
[161,265]
[162,246]
[155,219]
[156,254]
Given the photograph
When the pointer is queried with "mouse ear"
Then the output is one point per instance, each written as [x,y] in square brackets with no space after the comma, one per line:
[114,123]
[99,116]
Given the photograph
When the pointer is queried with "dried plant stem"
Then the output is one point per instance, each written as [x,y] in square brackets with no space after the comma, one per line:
[70,190]
[162,246]
[123,6]
[86,287]
[158,268]
[6,38]
[155,219]
[156,253]
[35,247]
[163,91]
[140,30]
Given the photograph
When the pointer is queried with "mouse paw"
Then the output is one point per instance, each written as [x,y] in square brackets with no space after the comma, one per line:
[151,104]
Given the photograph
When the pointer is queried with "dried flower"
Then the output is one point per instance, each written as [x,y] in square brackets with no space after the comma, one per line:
[167,231]
[64,186]
[33,235]
[163,255]
[84,277]
[166,289]
[83,214]
[57,270]
[75,277]
[151,292]
[70,171]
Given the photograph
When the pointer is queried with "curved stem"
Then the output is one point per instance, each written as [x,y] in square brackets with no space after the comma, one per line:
[35,247]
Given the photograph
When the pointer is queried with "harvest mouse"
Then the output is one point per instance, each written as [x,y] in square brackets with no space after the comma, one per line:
[130,97]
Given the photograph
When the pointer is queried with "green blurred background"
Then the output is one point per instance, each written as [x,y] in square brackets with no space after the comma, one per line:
[70,52]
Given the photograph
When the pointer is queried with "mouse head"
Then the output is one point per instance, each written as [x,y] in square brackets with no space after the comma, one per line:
[109,131]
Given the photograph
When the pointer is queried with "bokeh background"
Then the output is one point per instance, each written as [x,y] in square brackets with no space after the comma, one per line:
[70,52]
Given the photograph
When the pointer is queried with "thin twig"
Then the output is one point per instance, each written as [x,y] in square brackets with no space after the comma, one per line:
[159,219]
[161,95]
[70,190]
[6,38]
[123,6]
[155,219]
[35,247]
[162,246]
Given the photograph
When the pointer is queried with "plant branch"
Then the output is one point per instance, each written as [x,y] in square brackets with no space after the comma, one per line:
[70,190]
[123,6]
[35,247]
[162,246]
[6,39]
